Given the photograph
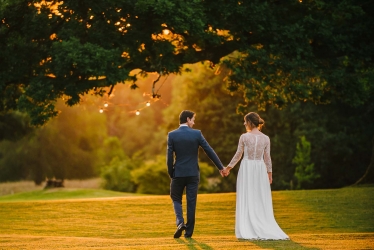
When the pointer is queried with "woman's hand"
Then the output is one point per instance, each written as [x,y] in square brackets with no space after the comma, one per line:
[270,174]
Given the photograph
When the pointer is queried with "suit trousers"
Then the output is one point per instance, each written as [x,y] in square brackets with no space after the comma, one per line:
[177,186]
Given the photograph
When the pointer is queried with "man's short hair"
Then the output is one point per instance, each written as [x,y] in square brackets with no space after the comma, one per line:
[184,114]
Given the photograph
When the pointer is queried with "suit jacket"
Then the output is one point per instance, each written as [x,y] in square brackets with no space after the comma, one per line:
[183,151]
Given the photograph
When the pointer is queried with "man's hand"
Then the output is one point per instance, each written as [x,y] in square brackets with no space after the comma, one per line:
[225,171]
[222,173]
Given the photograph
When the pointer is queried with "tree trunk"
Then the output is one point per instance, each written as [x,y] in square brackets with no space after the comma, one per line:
[368,177]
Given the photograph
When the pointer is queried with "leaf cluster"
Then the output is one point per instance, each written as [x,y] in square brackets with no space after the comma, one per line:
[287,51]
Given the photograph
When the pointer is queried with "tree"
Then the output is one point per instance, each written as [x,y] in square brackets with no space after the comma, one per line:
[289,50]
[304,172]
[338,132]
[215,112]
[14,125]
[66,147]
[117,175]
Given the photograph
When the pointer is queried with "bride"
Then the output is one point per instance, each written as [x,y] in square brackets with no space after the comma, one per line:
[254,209]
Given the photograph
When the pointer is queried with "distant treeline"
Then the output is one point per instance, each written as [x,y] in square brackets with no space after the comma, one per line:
[312,146]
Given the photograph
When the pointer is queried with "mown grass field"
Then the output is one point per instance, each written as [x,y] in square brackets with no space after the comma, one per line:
[98,219]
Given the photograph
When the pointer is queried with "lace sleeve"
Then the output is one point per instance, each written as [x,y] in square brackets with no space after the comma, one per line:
[267,158]
[238,154]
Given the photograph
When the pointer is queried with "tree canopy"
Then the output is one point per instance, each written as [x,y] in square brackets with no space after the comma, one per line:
[285,51]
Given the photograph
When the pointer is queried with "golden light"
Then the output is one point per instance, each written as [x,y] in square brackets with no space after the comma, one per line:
[137,112]
[166,32]
[148,104]
[125,55]
[101,110]
[106,104]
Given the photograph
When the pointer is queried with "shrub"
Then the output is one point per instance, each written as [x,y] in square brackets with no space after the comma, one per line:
[152,177]
[117,175]
[304,171]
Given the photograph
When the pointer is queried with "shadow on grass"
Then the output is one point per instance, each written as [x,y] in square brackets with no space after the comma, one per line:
[193,244]
[279,244]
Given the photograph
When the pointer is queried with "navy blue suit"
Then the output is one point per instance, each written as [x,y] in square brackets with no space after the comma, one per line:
[183,169]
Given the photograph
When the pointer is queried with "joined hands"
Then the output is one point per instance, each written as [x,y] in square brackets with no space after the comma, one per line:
[225,171]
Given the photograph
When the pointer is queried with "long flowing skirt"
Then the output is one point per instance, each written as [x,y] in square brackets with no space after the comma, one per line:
[254,208]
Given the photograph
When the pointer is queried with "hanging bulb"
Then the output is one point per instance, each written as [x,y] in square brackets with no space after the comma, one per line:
[148,104]
[101,110]
[137,112]
[106,104]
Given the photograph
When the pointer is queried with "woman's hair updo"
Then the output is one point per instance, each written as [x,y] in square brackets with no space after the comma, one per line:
[254,120]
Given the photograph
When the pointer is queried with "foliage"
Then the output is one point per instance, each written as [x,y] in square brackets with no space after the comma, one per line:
[136,133]
[339,135]
[338,132]
[215,112]
[288,50]
[306,50]
[66,147]
[152,177]
[14,125]
[304,172]
[112,149]
[206,185]
[80,141]
[275,52]
[340,153]
[117,175]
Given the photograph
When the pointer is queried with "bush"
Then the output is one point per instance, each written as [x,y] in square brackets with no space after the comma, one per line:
[117,175]
[304,172]
[152,177]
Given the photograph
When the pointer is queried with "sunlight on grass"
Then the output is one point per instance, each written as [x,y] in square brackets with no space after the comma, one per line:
[314,219]
[63,193]
[348,209]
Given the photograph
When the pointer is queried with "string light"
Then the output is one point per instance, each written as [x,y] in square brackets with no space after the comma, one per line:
[153,97]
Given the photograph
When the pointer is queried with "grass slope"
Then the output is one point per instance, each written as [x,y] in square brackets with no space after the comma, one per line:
[314,219]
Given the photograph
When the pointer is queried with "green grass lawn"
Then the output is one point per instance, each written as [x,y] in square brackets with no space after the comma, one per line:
[63,194]
[98,219]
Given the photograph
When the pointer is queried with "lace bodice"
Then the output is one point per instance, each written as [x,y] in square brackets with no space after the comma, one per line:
[255,147]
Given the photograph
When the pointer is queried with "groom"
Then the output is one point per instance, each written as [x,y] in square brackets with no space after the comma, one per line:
[183,169]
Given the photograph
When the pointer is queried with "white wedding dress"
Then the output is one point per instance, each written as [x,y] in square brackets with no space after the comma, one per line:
[254,208]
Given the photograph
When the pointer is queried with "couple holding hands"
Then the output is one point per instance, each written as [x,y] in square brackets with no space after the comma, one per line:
[254,209]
